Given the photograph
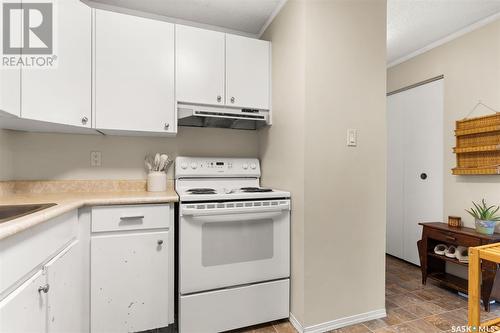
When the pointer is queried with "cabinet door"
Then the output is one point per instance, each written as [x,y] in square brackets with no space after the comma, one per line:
[199,66]
[134,73]
[10,91]
[24,310]
[129,282]
[63,94]
[10,80]
[66,295]
[247,72]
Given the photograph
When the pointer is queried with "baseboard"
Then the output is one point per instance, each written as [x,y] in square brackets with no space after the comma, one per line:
[337,323]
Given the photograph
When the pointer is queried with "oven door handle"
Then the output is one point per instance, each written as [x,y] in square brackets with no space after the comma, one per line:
[233,211]
[233,215]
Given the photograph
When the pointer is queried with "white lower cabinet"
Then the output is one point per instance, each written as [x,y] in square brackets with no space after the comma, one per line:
[49,301]
[131,268]
[66,297]
[129,279]
[24,310]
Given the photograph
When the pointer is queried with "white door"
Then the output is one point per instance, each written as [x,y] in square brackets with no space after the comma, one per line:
[247,72]
[199,65]
[415,166]
[66,294]
[63,94]
[134,73]
[233,245]
[130,282]
[24,310]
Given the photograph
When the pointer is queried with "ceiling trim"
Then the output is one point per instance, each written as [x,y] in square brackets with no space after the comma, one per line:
[271,18]
[474,26]
[123,10]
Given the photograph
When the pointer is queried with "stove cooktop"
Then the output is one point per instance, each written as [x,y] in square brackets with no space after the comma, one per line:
[243,193]
[201,191]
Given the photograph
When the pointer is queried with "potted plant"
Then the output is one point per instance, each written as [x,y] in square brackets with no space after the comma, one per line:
[486,217]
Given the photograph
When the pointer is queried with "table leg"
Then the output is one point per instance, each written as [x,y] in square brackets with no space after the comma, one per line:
[474,288]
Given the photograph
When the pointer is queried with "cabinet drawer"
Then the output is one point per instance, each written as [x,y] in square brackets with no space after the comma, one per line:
[453,238]
[131,217]
[227,309]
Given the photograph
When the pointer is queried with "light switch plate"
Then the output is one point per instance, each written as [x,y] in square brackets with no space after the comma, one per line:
[95,158]
[352,137]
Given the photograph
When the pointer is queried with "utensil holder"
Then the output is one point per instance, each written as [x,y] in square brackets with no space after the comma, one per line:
[157,181]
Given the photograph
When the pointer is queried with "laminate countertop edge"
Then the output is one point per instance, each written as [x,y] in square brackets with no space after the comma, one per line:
[66,202]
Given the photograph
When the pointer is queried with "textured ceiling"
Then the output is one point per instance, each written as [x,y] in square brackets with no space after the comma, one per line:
[414,24]
[247,16]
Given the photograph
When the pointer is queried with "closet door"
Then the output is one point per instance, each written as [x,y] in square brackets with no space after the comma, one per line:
[396,129]
[415,166]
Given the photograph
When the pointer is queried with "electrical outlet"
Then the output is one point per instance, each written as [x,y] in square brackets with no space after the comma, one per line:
[95,158]
[352,137]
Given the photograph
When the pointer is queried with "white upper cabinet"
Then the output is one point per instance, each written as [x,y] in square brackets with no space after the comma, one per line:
[220,69]
[199,66]
[247,72]
[10,91]
[63,94]
[134,73]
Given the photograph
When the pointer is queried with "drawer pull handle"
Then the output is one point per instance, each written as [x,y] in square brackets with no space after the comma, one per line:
[451,238]
[135,217]
[160,242]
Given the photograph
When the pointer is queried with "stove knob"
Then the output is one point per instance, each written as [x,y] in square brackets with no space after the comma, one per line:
[194,165]
[184,165]
[253,166]
[245,166]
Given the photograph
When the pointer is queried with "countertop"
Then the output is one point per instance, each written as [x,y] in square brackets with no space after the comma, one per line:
[67,201]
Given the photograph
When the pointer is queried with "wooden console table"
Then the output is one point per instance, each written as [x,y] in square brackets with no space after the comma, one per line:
[433,266]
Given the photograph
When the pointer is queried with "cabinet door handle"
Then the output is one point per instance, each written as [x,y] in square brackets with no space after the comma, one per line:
[160,242]
[135,217]
[85,120]
[44,288]
[219,98]
[233,99]
[167,125]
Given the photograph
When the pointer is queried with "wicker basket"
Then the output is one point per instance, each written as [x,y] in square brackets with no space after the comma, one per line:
[478,146]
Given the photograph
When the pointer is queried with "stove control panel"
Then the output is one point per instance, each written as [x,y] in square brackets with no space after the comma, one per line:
[216,167]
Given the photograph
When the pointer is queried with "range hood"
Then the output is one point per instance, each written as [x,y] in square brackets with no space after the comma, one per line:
[194,115]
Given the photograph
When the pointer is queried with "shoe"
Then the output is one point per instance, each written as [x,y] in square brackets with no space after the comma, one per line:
[462,254]
[440,249]
[451,251]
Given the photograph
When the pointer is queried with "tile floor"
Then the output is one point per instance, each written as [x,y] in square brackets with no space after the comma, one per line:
[411,307]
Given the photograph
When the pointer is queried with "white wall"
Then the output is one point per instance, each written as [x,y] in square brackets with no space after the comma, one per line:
[345,186]
[471,69]
[65,156]
[6,158]
[282,146]
[338,192]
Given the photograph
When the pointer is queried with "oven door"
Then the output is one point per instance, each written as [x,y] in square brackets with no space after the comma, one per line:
[233,243]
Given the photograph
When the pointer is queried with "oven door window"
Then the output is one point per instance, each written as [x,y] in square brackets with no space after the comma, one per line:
[232,242]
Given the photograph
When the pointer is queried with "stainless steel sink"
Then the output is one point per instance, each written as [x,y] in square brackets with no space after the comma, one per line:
[10,212]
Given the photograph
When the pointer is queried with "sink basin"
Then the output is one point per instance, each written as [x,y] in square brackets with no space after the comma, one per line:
[10,212]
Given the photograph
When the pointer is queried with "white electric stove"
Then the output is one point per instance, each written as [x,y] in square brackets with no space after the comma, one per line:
[234,245]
